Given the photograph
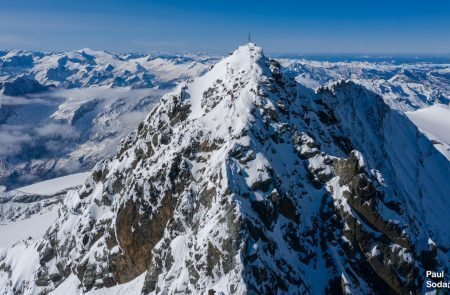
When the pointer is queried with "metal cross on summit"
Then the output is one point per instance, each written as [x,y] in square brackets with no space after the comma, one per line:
[249,38]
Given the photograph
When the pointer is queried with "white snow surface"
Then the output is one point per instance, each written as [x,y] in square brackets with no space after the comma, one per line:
[71,287]
[33,228]
[434,121]
[30,220]
[55,185]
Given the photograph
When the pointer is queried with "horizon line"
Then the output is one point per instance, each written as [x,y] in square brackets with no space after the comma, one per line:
[225,52]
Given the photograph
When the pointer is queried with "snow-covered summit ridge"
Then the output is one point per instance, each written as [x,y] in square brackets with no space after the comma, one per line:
[224,96]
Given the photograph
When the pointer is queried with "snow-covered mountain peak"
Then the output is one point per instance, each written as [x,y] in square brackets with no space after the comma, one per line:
[243,181]
[245,61]
[245,54]
[225,96]
[92,52]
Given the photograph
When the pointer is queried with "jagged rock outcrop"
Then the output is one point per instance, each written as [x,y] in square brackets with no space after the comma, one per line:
[245,182]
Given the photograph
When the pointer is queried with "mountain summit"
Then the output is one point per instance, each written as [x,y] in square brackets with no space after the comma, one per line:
[245,181]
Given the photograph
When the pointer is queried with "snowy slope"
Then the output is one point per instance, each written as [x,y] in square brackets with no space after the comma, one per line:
[27,212]
[71,287]
[33,227]
[55,185]
[434,121]
[245,181]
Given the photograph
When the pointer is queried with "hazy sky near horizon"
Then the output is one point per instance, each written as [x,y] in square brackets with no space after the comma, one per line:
[303,27]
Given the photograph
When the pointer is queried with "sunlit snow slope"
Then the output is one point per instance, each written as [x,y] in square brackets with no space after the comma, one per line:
[434,121]
[28,212]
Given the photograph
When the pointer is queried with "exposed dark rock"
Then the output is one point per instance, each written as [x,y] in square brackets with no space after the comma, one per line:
[346,169]
[21,86]
[288,209]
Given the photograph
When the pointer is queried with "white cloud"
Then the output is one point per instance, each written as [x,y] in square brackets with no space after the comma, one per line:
[52,130]
[12,139]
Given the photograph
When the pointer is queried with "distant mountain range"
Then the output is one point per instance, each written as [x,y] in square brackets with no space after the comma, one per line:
[60,113]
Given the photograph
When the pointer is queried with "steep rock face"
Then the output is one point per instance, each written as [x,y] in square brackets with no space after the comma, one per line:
[244,181]
[413,172]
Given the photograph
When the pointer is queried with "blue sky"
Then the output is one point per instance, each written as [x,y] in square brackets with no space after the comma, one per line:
[303,27]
